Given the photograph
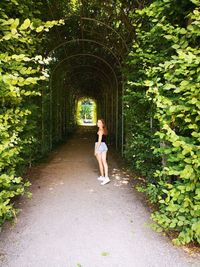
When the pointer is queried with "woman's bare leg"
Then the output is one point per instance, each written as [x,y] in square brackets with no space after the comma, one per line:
[105,165]
[98,156]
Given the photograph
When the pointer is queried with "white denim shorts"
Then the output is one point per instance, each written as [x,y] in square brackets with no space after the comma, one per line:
[102,148]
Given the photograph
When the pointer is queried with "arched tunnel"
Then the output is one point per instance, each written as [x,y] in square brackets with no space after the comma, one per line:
[89,64]
[133,63]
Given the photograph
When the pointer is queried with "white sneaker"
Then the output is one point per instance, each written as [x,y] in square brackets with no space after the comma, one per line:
[101,178]
[106,180]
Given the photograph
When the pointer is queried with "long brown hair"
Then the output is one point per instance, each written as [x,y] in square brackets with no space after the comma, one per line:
[105,130]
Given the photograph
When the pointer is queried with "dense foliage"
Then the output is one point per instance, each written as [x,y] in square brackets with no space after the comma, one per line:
[21,83]
[164,77]
[161,93]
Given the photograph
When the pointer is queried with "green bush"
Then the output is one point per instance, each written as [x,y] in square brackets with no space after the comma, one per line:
[166,58]
[21,82]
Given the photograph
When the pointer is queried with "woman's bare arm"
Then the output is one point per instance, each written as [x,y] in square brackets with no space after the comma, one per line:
[100,133]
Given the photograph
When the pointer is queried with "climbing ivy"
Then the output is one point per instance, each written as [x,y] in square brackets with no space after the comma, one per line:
[165,60]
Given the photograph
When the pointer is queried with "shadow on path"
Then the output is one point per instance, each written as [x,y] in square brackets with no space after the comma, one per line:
[74,221]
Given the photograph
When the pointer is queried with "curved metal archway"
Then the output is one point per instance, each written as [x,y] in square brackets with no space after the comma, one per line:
[105,62]
[108,26]
[116,81]
[86,40]
[107,79]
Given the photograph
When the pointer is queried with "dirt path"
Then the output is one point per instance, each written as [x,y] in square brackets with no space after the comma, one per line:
[73,221]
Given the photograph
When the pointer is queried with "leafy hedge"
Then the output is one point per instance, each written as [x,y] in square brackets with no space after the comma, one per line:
[22,77]
[164,71]
[162,101]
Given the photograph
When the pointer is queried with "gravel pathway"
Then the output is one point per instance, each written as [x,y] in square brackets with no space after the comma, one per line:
[73,221]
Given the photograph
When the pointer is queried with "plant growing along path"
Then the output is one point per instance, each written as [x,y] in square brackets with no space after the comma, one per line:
[139,61]
[73,221]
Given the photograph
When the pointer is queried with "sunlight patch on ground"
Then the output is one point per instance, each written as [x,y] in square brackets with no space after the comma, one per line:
[120,178]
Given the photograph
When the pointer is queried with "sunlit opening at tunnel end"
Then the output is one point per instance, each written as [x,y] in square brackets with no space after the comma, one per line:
[86,112]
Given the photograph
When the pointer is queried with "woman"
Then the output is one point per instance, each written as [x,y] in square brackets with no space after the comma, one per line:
[101,150]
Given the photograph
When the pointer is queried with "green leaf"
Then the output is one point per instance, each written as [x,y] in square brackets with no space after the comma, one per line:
[14,24]
[40,28]
[25,24]
[169,86]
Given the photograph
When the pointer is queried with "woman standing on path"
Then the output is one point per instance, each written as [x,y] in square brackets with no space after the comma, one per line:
[101,151]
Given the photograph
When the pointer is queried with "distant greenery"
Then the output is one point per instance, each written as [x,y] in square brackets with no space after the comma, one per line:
[86,111]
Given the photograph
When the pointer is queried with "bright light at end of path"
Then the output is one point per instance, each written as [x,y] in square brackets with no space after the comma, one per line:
[86,112]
